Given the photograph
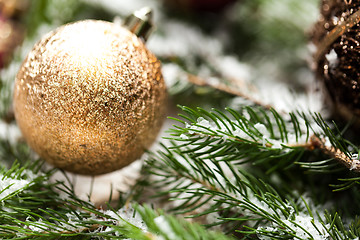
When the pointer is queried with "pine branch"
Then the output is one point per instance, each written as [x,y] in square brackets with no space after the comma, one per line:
[34,207]
[240,200]
[254,134]
[201,170]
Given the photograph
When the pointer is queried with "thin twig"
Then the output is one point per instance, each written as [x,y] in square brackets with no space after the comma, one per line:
[337,154]
[316,143]
[226,88]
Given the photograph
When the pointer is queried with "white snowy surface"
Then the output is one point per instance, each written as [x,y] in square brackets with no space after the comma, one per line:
[299,221]
[15,184]
[165,227]
[183,40]
[100,186]
[9,131]
[122,216]
[355,163]
[302,226]
[9,186]
[332,57]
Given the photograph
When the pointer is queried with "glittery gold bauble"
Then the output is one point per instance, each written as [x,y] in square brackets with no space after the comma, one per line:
[90,98]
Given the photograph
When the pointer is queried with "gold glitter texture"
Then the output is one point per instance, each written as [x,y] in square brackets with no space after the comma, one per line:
[90,98]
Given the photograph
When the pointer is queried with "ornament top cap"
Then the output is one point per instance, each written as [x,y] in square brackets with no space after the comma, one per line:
[140,22]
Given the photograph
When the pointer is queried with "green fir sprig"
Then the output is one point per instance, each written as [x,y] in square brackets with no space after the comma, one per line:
[33,207]
[205,170]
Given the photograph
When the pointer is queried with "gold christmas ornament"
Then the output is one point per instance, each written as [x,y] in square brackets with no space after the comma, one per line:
[90,98]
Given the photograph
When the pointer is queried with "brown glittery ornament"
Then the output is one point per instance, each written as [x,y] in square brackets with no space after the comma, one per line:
[337,39]
[90,98]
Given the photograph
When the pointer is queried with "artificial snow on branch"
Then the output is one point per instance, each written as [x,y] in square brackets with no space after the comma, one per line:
[200,170]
